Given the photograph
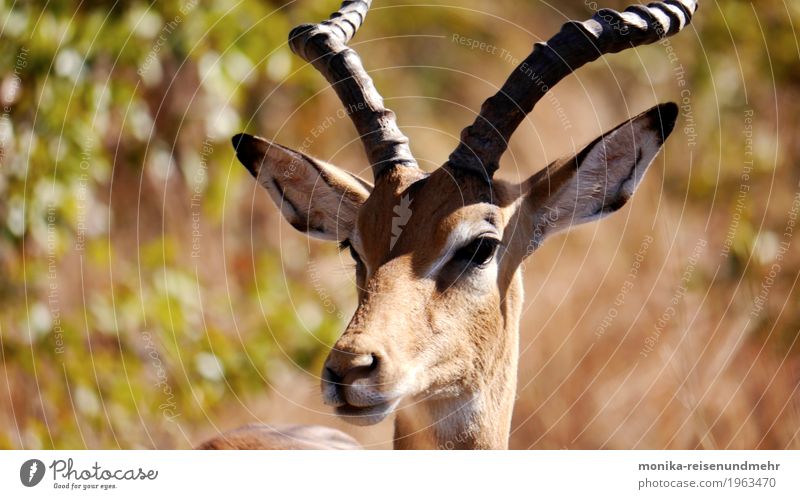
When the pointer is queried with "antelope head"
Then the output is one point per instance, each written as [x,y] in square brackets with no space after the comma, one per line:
[435,335]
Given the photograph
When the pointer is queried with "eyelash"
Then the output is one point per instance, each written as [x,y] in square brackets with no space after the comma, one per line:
[479,252]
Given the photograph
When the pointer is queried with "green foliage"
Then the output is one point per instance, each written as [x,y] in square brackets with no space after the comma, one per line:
[115,142]
[142,280]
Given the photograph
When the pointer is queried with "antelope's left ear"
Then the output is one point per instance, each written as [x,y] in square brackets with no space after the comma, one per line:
[600,179]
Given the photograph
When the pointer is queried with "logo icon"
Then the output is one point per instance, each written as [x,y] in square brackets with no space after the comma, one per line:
[31,472]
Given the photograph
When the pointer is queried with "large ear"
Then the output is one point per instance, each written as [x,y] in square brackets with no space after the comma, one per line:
[600,179]
[317,198]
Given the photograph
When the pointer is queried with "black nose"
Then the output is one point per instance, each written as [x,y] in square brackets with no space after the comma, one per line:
[344,367]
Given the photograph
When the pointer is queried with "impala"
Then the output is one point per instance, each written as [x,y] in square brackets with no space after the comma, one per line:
[434,339]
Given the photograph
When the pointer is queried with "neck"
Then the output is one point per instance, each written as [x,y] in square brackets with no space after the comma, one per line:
[480,417]
[480,420]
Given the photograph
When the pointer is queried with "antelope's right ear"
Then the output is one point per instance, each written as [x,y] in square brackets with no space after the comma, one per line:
[315,197]
[601,178]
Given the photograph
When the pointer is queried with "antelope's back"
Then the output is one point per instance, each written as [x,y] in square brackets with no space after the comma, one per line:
[293,437]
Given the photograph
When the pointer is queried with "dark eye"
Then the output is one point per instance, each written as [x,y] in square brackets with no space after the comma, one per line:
[479,252]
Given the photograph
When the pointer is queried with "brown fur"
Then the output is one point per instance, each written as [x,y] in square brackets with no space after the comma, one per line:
[432,340]
[297,437]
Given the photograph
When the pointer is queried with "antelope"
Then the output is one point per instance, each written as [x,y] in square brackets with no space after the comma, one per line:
[434,339]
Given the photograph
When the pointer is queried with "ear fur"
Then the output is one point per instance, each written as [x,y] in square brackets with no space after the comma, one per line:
[601,178]
[315,197]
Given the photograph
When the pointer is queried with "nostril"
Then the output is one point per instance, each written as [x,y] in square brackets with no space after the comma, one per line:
[374,364]
[331,375]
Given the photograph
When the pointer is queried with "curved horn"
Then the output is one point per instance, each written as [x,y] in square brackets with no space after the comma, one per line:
[608,31]
[324,45]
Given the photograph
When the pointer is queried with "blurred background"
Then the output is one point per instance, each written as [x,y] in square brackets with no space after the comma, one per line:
[150,295]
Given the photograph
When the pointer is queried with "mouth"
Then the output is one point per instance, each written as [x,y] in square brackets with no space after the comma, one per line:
[365,416]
